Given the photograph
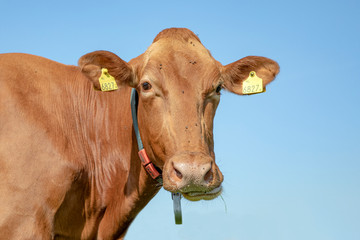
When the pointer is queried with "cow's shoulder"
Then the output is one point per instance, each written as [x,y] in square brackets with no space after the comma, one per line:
[26,72]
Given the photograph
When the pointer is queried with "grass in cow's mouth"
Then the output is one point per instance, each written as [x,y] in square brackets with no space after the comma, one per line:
[196,196]
[224,203]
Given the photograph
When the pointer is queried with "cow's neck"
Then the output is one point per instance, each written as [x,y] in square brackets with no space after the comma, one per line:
[109,146]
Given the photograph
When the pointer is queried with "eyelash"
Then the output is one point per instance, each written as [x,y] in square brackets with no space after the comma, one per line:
[146,86]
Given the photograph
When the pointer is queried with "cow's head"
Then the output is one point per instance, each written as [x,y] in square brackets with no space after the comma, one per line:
[179,85]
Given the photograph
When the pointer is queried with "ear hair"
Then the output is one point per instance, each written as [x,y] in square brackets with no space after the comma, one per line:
[235,73]
[92,63]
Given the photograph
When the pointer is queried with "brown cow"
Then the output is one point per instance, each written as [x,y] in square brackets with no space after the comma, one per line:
[69,164]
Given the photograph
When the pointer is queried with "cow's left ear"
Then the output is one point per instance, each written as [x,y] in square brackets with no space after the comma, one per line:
[91,65]
[234,74]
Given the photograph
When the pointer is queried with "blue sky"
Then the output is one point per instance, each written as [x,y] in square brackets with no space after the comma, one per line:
[290,156]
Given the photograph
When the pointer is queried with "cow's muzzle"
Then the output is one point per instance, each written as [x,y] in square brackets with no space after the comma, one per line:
[194,174]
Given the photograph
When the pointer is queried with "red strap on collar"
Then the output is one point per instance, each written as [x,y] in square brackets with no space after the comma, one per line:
[148,165]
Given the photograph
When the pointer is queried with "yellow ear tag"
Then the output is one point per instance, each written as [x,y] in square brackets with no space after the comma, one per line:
[253,84]
[107,82]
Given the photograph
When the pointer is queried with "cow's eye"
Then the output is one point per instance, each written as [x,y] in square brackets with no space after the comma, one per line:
[218,89]
[146,86]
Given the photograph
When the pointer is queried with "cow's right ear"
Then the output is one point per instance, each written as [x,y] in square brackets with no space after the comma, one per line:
[234,74]
[91,65]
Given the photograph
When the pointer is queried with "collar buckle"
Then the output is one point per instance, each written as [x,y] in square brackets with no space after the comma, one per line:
[148,165]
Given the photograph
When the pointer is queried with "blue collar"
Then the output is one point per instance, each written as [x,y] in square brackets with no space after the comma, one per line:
[154,171]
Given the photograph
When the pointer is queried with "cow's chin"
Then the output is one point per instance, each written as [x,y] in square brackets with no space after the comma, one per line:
[196,196]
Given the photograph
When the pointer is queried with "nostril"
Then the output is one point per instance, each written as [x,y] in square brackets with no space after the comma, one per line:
[209,176]
[178,173]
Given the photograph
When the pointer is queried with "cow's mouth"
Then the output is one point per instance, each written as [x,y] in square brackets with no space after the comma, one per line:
[196,196]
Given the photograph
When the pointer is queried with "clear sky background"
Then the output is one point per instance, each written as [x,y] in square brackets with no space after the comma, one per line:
[290,156]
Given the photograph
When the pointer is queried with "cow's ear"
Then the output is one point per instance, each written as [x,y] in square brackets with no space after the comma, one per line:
[91,65]
[234,74]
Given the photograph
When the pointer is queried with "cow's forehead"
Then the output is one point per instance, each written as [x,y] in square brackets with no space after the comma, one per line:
[186,61]
[165,46]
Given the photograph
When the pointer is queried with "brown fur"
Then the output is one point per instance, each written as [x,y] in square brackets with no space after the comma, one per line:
[176,33]
[69,167]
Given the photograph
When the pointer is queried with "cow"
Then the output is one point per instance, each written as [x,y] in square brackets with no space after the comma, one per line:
[70,166]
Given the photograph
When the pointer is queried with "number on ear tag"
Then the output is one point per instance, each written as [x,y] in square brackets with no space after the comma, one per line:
[107,82]
[253,84]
